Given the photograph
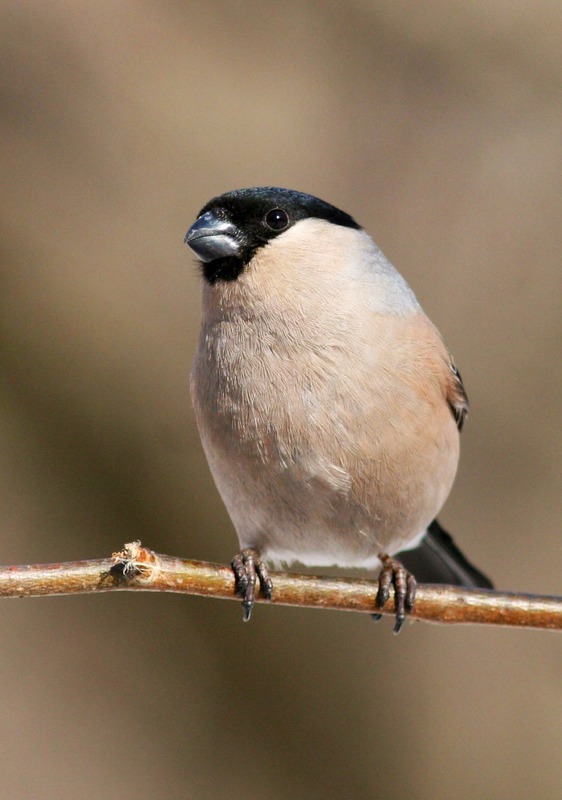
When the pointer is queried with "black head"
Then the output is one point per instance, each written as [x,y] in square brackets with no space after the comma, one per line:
[231,227]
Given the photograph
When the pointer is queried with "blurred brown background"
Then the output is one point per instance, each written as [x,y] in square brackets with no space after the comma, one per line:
[438,126]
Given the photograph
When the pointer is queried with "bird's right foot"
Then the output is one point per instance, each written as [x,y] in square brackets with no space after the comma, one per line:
[248,566]
[394,574]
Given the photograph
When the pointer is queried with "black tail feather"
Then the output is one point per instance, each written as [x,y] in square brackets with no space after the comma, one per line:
[438,560]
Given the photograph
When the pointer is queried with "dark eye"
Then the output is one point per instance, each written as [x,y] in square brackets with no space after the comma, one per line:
[276,219]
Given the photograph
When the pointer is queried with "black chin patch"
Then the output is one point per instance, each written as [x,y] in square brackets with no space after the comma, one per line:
[223,269]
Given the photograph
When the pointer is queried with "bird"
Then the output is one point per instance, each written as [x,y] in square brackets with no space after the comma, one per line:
[327,403]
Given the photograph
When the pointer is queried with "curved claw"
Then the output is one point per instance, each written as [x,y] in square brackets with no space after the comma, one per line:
[394,574]
[248,567]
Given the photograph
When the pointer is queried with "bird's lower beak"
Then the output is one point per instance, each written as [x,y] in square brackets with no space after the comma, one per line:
[211,237]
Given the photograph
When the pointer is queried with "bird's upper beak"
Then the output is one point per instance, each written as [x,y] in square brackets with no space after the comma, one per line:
[211,237]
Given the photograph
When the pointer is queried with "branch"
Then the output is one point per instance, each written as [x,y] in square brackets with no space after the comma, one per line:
[137,568]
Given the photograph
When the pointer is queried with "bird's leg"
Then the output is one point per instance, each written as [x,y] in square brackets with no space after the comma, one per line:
[248,566]
[404,583]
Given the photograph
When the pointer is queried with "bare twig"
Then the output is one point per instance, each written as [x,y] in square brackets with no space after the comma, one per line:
[137,568]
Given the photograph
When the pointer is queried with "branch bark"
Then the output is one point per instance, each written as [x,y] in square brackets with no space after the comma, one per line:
[137,568]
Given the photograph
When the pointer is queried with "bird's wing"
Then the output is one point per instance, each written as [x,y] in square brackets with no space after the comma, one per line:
[456,395]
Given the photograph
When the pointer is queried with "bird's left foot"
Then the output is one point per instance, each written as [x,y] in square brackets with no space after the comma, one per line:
[404,583]
[248,567]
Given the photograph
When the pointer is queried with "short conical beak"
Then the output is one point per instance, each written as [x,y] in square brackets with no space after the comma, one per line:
[211,237]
